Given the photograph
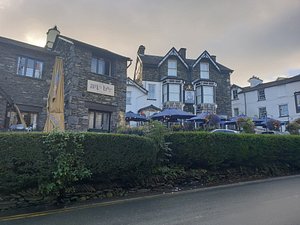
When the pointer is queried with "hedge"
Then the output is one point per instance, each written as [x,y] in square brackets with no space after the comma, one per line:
[216,150]
[24,158]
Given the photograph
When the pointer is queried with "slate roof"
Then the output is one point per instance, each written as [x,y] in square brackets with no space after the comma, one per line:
[24,45]
[155,60]
[272,84]
[93,48]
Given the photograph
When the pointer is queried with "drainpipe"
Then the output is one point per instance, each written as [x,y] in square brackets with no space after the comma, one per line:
[245,102]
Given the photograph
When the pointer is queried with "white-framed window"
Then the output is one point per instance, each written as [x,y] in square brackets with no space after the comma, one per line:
[297,101]
[261,95]
[204,70]
[171,92]
[262,112]
[29,67]
[283,110]
[100,66]
[128,98]
[236,112]
[172,67]
[205,94]
[99,120]
[151,91]
[235,94]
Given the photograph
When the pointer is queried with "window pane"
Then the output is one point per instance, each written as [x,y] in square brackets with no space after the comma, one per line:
[105,125]
[101,66]
[98,121]
[128,98]
[91,119]
[172,68]
[30,68]
[208,94]
[283,110]
[198,95]
[21,66]
[151,91]
[165,93]
[204,70]
[38,69]
[94,65]
[174,92]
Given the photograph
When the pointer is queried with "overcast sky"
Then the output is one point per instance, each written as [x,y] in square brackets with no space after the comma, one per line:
[252,37]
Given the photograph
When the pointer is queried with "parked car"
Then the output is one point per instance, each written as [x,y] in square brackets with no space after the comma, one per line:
[228,131]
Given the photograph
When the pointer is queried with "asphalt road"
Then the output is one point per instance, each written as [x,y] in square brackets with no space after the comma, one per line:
[268,202]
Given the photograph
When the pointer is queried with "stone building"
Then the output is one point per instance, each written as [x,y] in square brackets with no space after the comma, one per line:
[194,85]
[25,75]
[95,83]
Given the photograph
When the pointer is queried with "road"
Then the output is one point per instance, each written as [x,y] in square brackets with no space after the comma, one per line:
[267,202]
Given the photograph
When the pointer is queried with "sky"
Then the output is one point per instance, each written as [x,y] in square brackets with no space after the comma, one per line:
[252,37]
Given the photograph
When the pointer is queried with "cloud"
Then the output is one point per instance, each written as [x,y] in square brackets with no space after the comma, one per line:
[249,36]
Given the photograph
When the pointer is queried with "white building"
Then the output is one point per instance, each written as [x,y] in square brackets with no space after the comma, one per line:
[279,99]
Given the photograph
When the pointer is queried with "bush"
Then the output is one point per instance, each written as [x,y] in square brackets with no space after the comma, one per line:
[217,151]
[293,127]
[56,161]
[112,157]
[22,162]
[65,154]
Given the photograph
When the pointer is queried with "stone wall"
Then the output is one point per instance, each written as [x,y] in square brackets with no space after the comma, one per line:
[2,111]
[76,78]
[27,92]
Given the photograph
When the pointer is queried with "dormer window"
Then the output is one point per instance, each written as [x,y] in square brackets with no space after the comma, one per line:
[100,66]
[204,70]
[172,67]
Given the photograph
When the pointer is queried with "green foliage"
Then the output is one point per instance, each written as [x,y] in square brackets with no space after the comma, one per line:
[21,161]
[119,157]
[65,153]
[293,128]
[157,132]
[217,150]
[246,124]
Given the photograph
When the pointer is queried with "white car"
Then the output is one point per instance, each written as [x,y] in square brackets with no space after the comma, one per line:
[225,131]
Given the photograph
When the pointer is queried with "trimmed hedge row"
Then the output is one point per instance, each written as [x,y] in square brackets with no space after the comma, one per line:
[25,162]
[217,151]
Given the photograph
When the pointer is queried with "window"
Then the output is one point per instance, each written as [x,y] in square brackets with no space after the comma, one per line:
[236,112]
[172,92]
[172,68]
[204,70]
[297,101]
[262,112]
[151,91]
[205,94]
[128,98]
[261,95]
[30,119]
[100,66]
[235,94]
[30,67]
[283,110]
[99,120]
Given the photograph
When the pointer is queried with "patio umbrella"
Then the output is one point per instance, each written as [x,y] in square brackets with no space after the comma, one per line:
[131,116]
[172,114]
[55,103]
[205,116]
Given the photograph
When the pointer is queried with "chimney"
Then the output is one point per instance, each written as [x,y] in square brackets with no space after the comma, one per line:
[182,53]
[214,58]
[51,36]
[141,50]
[254,81]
